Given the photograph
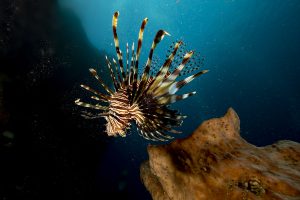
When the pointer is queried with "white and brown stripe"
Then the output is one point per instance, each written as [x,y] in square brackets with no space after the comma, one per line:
[116,41]
[137,56]
[158,37]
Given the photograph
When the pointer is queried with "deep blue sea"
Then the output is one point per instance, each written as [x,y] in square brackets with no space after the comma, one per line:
[251,49]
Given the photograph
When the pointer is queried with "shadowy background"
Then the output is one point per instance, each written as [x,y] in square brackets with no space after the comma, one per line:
[47,150]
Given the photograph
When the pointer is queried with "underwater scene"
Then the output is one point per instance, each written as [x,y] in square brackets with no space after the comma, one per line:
[161,99]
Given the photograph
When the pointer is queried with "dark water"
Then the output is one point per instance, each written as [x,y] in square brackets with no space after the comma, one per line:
[48,151]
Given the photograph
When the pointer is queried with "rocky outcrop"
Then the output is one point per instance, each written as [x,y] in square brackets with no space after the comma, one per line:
[216,163]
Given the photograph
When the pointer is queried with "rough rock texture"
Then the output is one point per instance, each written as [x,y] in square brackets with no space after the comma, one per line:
[216,163]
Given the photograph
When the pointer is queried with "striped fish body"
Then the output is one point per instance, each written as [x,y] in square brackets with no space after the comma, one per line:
[140,98]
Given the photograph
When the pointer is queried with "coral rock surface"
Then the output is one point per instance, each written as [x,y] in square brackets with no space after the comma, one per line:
[216,163]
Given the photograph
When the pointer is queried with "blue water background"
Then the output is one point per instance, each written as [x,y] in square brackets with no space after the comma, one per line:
[251,47]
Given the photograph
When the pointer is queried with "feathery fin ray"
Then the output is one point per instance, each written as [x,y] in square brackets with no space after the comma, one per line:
[143,99]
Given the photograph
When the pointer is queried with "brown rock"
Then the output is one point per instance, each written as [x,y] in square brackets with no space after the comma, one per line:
[216,163]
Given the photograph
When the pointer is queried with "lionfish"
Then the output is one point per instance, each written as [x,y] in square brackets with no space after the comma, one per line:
[145,98]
